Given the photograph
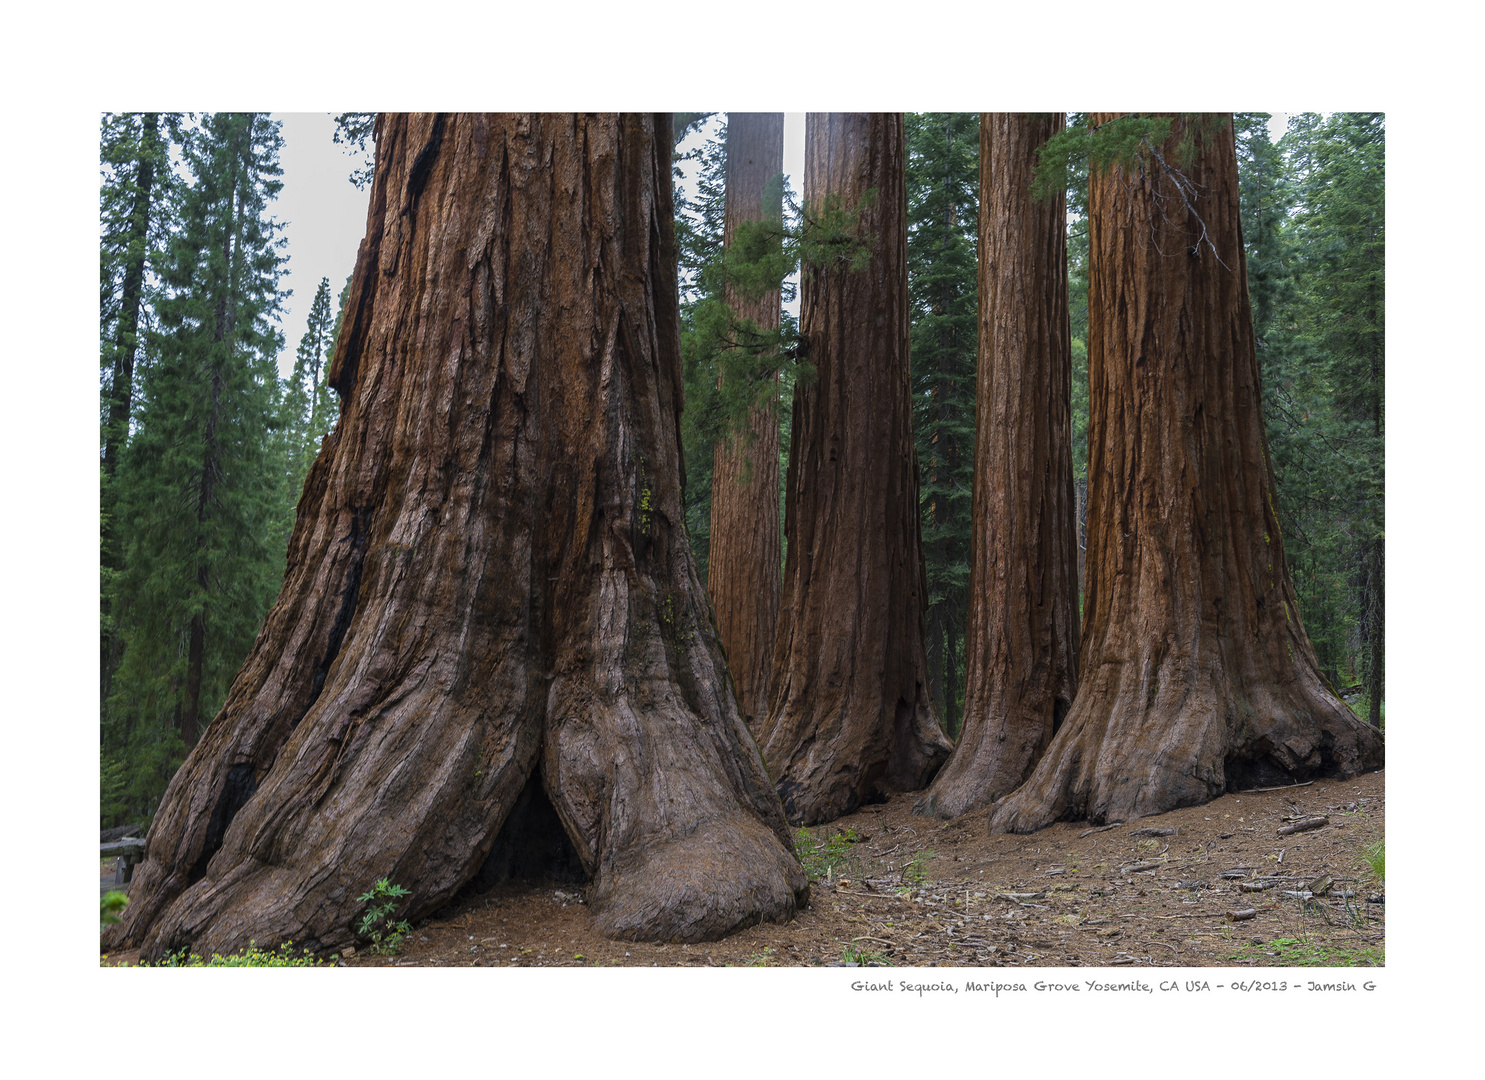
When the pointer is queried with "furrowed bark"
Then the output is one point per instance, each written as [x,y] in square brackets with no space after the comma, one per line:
[488,577]
[1196,675]
[850,713]
[1021,644]
[743,562]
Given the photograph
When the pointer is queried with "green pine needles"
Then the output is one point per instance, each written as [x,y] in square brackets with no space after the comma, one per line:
[943,185]
[1314,238]
[731,366]
[1132,142]
[200,483]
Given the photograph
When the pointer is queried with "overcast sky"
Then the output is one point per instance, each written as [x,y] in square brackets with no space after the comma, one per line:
[324,216]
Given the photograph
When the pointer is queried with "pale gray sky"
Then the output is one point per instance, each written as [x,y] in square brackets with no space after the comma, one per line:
[325,218]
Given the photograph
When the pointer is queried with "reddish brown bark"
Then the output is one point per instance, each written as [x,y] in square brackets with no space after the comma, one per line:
[850,714]
[1196,675]
[488,578]
[1021,640]
[743,561]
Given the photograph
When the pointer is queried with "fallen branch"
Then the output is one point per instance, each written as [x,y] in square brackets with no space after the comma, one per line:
[1281,787]
[1103,828]
[1321,885]
[1242,914]
[1135,868]
[1153,832]
[1190,915]
[1304,825]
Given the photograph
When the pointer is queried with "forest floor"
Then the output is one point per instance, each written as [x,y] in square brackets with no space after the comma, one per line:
[895,889]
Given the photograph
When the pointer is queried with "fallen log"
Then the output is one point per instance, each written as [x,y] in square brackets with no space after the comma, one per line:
[1304,825]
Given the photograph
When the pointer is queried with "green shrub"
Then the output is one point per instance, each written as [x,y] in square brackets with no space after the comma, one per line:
[1376,858]
[252,956]
[856,956]
[1299,952]
[109,906]
[915,870]
[377,925]
[822,859]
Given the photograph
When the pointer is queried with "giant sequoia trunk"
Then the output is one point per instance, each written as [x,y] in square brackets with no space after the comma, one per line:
[1021,643]
[1196,675]
[742,571]
[850,714]
[487,580]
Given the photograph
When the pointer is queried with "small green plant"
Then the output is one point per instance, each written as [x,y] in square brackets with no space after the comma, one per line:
[109,906]
[1299,952]
[1376,858]
[252,956]
[762,959]
[1362,707]
[915,870]
[823,859]
[646,500]
[857,956]
[377,925]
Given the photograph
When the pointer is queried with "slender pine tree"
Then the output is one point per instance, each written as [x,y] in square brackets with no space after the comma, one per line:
[199,486]
[943,208]
[1314,245]
[309,401]
[136,201]
[698,231]
[1339,227]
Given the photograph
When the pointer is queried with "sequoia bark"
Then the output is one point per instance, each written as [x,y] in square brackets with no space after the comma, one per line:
[488,577]
[1021,644]
[850,714]
[1196,675]
[742,573]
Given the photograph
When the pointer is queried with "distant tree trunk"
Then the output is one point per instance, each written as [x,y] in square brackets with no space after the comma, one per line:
[944,635]
[1374,596]
[126,335]
[1374,624]
[1021,642]
[951,723]
[121,379]
[1196,675]
[1080,494]
[850,714]
[488,578]
[743,564]
[190,713]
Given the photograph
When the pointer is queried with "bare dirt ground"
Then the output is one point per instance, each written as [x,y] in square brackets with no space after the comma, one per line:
[898,889]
